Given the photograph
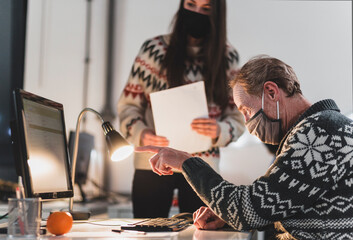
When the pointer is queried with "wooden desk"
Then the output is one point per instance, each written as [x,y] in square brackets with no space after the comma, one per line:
[101,229]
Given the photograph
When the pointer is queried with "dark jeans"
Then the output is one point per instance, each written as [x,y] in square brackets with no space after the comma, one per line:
[152,194]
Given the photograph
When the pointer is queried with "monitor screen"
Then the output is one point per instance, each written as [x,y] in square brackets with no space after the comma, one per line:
[42,155]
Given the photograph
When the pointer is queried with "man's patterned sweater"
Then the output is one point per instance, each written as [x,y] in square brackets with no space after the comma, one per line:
[308,188]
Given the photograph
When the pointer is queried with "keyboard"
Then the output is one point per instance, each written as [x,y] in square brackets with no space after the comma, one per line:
[172,224]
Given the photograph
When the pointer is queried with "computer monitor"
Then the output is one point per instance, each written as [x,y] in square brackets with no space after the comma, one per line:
[40,145]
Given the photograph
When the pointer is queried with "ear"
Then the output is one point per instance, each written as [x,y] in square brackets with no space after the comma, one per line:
[271,90]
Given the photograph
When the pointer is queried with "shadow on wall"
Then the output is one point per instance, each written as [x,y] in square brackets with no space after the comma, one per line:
[245,160]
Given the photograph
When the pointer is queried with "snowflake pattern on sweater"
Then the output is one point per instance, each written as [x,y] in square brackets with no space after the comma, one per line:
[308,188]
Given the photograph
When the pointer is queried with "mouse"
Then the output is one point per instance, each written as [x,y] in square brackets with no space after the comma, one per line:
[184,215]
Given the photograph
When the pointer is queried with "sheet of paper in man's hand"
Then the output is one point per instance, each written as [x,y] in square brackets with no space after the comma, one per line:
[173,111]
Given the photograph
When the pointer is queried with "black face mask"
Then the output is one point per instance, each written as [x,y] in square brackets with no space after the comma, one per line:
[197,25]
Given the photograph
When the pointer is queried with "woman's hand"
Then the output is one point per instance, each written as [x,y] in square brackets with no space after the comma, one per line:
[204,218]
[148,137]
[206,126]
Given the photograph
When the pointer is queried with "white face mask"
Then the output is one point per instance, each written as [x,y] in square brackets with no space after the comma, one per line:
[267,130]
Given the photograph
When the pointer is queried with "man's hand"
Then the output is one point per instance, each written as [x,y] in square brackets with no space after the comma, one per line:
[165,159]
[206,126]
[204,218]
[148,137]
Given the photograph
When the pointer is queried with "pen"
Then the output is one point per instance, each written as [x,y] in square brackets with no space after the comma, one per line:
[20,211]
[128,231]
[21,188]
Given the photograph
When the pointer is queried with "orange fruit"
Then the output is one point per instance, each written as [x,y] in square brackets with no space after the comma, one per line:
[59,223]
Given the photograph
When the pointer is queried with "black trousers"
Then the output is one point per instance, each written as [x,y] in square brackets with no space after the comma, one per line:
[152,194]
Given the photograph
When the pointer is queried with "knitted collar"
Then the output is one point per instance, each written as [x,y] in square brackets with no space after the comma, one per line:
[327,104]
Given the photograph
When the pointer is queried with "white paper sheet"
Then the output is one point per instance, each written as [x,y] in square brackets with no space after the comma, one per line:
[173,111]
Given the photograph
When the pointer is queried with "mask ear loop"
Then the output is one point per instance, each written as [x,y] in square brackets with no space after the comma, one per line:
[262,103]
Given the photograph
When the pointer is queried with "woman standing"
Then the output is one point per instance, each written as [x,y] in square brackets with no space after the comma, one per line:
[196,50]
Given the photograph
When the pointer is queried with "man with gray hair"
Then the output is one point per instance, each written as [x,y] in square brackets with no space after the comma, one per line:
[308,188]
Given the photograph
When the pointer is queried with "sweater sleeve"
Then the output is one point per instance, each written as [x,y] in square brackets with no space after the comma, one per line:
[232,122]
[303,172]
[231,126]
[132,104]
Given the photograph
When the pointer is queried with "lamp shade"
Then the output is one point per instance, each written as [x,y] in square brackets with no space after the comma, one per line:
[119,149]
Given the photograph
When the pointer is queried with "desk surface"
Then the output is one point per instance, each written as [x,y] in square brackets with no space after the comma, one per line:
[101,229]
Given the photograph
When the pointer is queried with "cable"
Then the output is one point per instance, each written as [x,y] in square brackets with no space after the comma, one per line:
[96,222]
[4,216]
[105,225]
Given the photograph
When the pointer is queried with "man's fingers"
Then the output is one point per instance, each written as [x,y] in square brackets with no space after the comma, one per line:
[197,222]
[200,221]
[214,224]
[153,162]
[208,220]
[162,168]
[158,167]
[194,215]
[166,170]
[197,225]
[152,149]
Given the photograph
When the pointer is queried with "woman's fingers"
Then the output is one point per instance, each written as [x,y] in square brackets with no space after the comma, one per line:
[148,137]
[206,126]
[204,121]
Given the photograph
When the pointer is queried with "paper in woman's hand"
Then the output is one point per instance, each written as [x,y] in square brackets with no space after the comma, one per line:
[173,111]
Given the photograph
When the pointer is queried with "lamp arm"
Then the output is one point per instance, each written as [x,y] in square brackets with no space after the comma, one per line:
[74,155]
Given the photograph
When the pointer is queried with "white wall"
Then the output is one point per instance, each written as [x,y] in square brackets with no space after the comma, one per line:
[54,65]
[314,37]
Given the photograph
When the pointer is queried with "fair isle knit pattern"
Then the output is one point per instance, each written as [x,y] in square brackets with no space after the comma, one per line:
[134,107]
[308,188]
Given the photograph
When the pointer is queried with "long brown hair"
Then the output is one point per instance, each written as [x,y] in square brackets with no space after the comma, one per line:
[214,50]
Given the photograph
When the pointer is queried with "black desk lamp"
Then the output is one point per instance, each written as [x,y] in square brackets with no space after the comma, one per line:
[118,148]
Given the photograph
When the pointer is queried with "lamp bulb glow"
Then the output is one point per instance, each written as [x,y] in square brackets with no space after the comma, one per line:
[122,153]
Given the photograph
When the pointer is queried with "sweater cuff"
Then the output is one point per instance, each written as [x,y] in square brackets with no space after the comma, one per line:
[201,177]
[194,169]
[193,165]
[225,135]
[136,131]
